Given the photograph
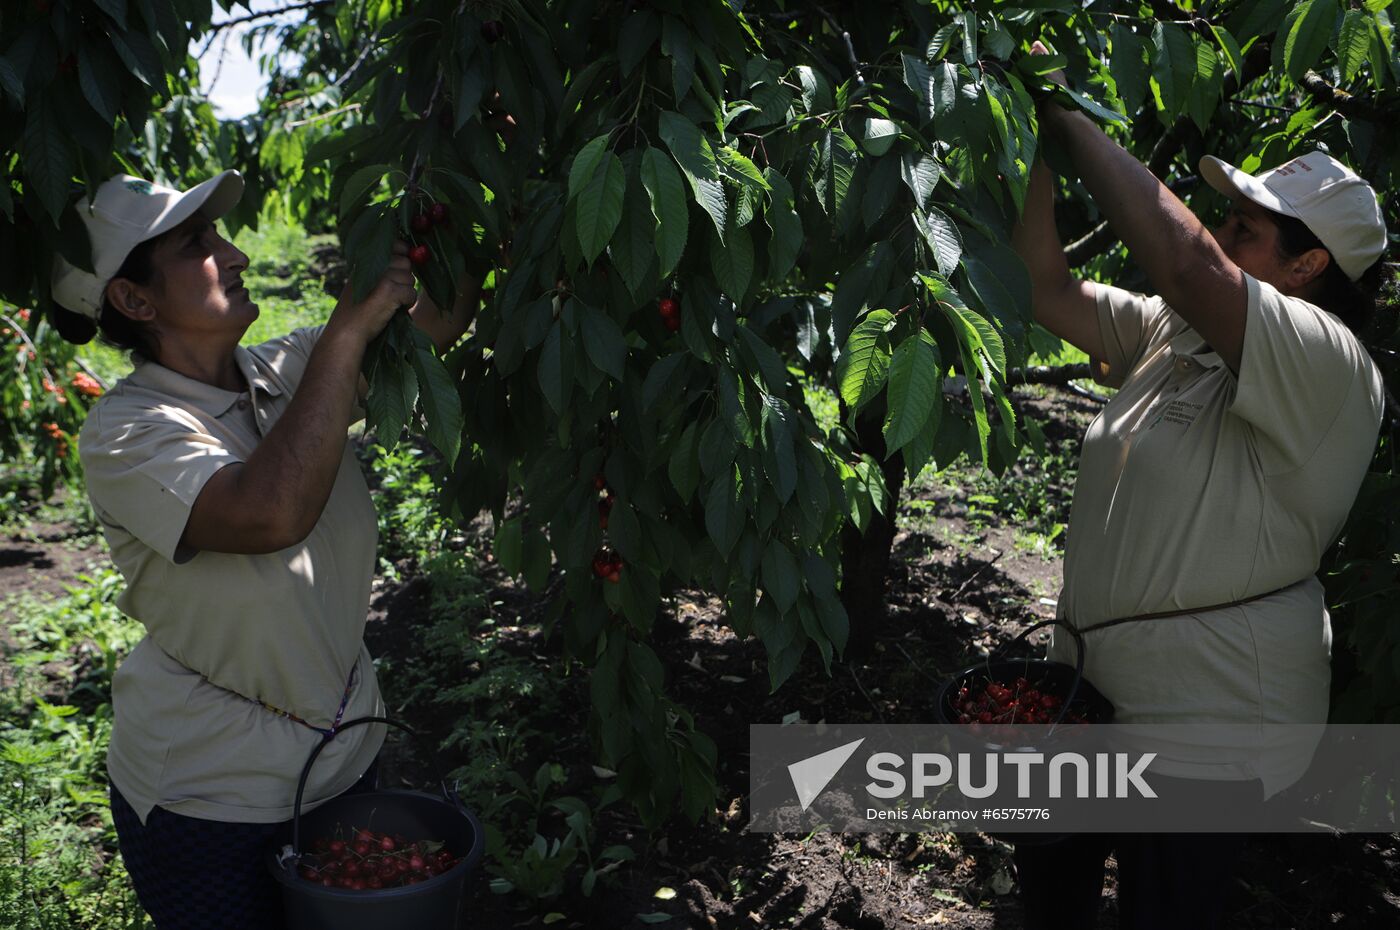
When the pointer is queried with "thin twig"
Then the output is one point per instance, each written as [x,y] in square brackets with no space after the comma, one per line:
[268,14]
[973,577]
[878,715]
[321,116]
[845,37]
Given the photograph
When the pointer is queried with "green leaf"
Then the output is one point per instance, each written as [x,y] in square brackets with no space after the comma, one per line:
[1234,58]
[1128,66]
[969,25]
[599,207]
[1093,107]
[139,56]
[879,136]
[781,576]
[920,173]
[442,405]
[676,45]
[368,247]
[979,406]
[1353,44]
[663,184]
[732,262]
[979,334]
[10,81]
[1207,86]
[635,37]
[941,233]
[509,545]
[48,160]
[585,165]
[724,511]
[692,152]
[837,155]
[717,448]
[781,217]
[918,77]
[556,369]
[866,359]
[604,342]
[1309,36]
[684,465]
[658,379]
[741,168]
[361,183]
[99,88]
[779,447]
[1173,67]
[633,246]
[915,389]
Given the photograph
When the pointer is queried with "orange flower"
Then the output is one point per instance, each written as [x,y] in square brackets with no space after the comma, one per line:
[86,385]
[24,314]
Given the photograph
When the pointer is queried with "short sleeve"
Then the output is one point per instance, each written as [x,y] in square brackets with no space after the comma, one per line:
[1299,368]
[144,475]
[1130,324]
[288,355]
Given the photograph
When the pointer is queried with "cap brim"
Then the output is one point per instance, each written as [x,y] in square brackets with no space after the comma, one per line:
[1232,182]
[213,198]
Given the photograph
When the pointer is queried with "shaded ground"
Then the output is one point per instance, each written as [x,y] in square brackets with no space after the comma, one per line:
[963,583]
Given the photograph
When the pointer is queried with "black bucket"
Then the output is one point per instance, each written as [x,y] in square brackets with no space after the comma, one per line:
[1054,677]
[433,904]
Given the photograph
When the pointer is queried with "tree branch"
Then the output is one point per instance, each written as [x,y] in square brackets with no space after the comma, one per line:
[1350,106]
[1048,374]
[268,14]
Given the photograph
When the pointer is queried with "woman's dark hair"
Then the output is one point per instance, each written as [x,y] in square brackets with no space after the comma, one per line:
[118,329]
[1353,302]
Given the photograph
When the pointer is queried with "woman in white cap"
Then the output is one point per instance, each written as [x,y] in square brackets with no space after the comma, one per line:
[237,514]
[1210,484]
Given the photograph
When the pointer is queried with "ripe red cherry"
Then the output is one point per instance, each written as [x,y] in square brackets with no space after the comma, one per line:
[421,223]
[420,255]
[438,212]
[493,30]
[668,306]
[387,844]
[672,323]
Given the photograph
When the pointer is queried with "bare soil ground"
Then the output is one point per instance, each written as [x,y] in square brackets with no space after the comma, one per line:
[958,587]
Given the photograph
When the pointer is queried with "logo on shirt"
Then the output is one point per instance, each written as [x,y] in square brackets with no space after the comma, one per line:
[1178,413]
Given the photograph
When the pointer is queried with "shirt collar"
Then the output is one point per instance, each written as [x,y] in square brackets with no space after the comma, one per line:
[213,400]
[1188,343]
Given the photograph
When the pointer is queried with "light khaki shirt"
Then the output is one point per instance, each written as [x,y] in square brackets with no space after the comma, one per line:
[1197,487]
[226,630]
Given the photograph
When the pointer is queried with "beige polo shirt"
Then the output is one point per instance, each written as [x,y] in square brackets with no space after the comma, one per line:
[1197,487]
[225,630]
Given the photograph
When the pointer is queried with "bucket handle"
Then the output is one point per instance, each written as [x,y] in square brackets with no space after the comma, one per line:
[1078,662]
[448,794]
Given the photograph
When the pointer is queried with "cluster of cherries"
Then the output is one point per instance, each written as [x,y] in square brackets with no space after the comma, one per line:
[435,215]
[372,860]
[607,565]
[1020,703]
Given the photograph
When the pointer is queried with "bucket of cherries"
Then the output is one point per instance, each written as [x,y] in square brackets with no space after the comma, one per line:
[1001,692]
[409,870]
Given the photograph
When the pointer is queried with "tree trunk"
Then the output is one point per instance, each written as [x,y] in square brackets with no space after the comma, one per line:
[865,557]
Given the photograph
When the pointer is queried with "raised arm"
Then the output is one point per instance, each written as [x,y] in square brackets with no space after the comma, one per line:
[274,499]
[1061,303]
[1182,260]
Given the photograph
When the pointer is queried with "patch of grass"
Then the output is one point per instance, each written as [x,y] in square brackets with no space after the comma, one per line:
[58,862]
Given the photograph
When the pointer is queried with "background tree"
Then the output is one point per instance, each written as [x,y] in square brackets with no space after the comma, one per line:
[692,219]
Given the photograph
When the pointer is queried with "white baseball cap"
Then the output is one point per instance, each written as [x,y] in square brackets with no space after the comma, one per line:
[125,212]
[1340,208]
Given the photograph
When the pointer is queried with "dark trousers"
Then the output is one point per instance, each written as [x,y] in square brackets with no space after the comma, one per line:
[193,874]
[1165,880]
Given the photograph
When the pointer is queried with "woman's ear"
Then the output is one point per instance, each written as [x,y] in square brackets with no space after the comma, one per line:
[130,300]
[1308,267]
